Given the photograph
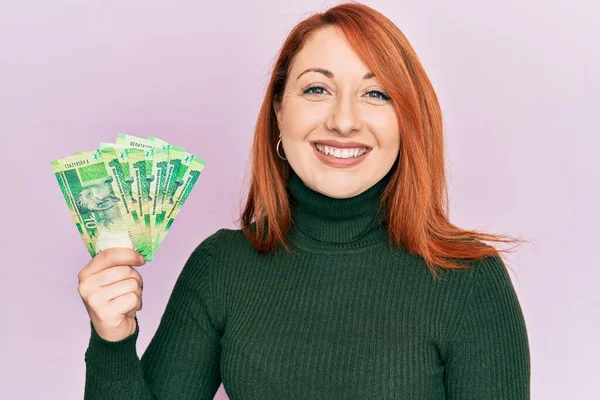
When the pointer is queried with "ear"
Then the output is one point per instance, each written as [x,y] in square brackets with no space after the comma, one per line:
[277,108]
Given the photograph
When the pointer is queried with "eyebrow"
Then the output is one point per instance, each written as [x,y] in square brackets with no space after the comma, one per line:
[329,74]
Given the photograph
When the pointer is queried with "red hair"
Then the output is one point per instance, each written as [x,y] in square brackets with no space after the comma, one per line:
[418,183]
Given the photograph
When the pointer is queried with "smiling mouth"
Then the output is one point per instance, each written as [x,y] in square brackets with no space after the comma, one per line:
[339,153]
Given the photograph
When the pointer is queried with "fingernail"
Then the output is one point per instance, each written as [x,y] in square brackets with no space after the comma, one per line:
[142,259]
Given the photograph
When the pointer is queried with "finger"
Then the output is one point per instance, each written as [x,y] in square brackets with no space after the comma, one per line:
[99,300]
[139,308]
[111,257]
[126,304]
[120,288]
[106,278]
[113,275]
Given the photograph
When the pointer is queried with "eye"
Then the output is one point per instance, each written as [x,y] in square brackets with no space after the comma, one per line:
[307,90]
[383,96]
[318,90]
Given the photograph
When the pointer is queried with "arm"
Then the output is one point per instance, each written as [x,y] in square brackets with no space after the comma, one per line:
[488,358]
[182,359]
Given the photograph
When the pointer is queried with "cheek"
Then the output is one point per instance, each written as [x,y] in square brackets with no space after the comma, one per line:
[387,133]
[389,141]
[301,117]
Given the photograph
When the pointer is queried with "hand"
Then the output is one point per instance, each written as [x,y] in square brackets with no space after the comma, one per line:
[111,290]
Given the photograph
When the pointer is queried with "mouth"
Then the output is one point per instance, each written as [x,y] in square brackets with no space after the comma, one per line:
[341,145]
[341,152]
[104,204]
[340,157]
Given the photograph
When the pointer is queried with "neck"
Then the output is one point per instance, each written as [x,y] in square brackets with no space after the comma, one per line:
[320,222]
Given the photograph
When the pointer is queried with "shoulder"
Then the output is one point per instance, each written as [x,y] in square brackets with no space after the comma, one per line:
[486,271]
[491,275]
[216,239]
[489,298]
[205,263]
[222,242]
[493,289]
[484,279]
[484,286]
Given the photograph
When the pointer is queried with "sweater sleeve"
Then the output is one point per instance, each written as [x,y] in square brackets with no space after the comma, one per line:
[488,358]
[182,359]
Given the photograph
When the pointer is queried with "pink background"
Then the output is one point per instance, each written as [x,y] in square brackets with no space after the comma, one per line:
[517,80]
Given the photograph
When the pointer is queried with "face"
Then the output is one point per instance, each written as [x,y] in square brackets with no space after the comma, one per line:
[341,107]
[96,198]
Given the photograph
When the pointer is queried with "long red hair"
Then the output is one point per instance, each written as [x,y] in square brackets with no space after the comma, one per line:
[418,183]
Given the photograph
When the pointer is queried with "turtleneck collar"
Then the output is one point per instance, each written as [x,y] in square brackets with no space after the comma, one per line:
[320,222]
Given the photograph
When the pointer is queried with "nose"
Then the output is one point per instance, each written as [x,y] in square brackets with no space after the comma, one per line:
[345,117]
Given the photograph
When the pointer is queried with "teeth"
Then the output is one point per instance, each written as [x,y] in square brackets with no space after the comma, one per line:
[340,153]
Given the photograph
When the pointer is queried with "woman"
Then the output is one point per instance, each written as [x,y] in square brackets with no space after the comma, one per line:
[346,280]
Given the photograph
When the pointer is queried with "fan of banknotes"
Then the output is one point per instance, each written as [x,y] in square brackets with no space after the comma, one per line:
[127,193]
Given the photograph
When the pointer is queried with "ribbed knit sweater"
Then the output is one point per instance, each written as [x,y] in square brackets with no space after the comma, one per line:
[343,316]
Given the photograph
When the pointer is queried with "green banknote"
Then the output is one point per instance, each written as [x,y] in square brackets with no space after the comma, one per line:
[130,186]
[166,161]
[133,160]
[121,156]
[174,180]
[130,195]
[91,186]
[167,171]
[145,174]
[176,174]
[191,166]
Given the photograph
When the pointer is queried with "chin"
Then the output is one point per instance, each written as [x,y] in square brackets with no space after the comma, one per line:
[339,189]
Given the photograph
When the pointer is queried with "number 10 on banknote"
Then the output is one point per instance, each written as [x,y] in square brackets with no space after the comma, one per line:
[128,193]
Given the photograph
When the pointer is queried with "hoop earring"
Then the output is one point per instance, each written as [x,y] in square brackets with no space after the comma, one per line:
[277,147]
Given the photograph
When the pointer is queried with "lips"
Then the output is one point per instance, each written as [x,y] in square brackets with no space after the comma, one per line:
[341,145]
[339,162]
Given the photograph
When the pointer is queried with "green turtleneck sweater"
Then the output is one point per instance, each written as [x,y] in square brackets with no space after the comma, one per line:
[341,317]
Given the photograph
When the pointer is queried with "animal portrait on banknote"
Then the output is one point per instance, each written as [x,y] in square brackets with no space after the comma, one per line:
[101,203]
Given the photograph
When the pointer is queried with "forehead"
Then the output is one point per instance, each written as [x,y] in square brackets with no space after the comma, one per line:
[328,48]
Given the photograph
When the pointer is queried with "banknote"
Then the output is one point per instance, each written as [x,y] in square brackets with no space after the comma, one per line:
[144,171]
[122,157]
[127,157]
[166,161]
[127,193]
[170,172]
[190,169]
[174,180]
[90,184]
[181,188]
